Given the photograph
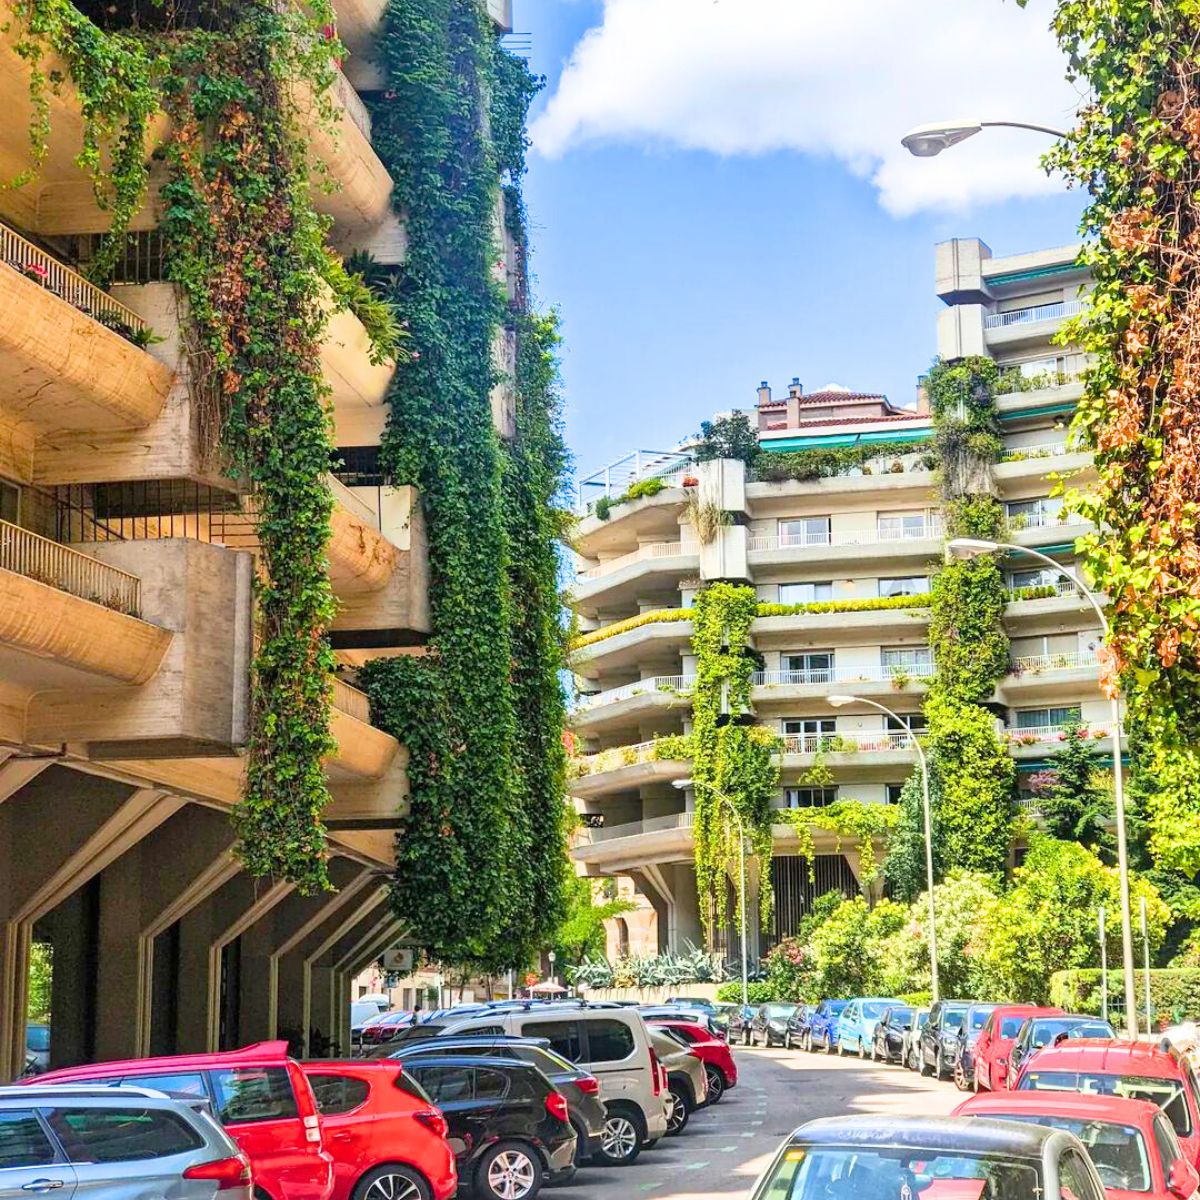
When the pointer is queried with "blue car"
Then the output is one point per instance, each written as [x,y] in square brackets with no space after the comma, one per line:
[822,1026]
[856,1025]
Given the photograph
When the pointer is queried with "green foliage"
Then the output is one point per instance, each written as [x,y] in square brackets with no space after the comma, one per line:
[1073,796]
[734,763]
[848,949]
[756,993]
[650,970]
[878,458]
[580,933]
[1174,993]
[353,291]
[734,436]
[789,965]
[41,979]
[602,509]
[641,489]
[966,624]
[904,868]
[863,824]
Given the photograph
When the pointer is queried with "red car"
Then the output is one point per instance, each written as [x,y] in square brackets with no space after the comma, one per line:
[1131,1142]
[1134,1070]
[996,1040]
[712,1051]
[388,1141]
[261,1097]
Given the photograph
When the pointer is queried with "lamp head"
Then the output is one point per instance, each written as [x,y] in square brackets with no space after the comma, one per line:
[842,701]
[926,141]
[971,547]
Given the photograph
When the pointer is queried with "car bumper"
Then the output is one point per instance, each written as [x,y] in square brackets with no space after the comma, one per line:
[561,1158]
[656,1122]
[444,1181]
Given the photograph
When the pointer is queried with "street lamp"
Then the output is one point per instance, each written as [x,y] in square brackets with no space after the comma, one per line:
[926,141]
[972,548]
[841,702]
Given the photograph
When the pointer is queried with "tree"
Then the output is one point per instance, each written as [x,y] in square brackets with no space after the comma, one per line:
[847,949]
[904,867]
[581,934]
[1074,800]
[41,971]
[728,437]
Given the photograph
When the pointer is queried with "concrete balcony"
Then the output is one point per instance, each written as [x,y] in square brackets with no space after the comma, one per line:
[65,366]
[840,628]
[1062,398]
[624,768]
[783,687]
[67,620]
[1046,740]
[912,485]
[633,524]
[358,386]
[633,701]
[1035,325]
[1031,611]
[1049,529]
[363,752]
[501,13]
[623,579]
[1045,677]
[923,544]
[655,645]
[1021,465]
[868,754]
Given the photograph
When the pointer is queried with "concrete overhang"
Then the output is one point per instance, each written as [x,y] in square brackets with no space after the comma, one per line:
[628,778]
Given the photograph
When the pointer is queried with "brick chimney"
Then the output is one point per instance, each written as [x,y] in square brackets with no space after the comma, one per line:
[795,393]
[922,398]
[764,393]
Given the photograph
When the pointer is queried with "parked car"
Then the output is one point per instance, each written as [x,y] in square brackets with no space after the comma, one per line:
[1037,1032]
[910,1057]
[1137,1070]
[509,1129]
[363,1011]
[110,1143]
[37,1048]
[259,1095]
[797,1026]
[681,1012]
[580,1088]
[385,1027]
[738,1027]
[887,1041]
[719,1065]
[1130,1142]
[614,1045]
[964,1054]
[769,1024]
[822,1026]
[387,1139]
[720,1018]
[687,1083]
[938,1042]
[992,1050]
[709,1006]
[856,1025]
[928,1158]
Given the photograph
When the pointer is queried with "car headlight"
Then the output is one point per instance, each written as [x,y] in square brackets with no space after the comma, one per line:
[949,1039]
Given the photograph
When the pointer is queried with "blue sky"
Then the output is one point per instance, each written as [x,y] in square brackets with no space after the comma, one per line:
[685,276]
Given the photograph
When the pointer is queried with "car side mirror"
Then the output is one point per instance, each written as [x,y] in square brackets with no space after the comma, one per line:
[1183,1180]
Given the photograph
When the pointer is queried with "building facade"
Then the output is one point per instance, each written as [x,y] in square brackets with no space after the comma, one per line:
[127,558]
[860,548]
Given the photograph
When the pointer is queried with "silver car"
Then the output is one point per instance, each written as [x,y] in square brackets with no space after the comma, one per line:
[114,1143]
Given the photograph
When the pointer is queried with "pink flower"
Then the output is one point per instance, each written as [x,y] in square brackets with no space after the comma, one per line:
[389,95]
[415,356]
[37,271]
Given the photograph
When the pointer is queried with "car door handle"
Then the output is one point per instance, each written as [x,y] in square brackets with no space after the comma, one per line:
[42,1185]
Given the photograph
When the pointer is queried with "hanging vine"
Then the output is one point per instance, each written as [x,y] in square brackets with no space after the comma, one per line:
[735,762]
[1136,148]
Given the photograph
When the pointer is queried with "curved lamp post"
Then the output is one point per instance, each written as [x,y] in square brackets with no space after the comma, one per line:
[840,702]
[926,141]
[972,548]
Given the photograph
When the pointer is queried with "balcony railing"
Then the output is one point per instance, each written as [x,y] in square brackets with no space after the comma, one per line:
[1053,733]
[1036,312]
[59,566]
[853,743]
[1036,664]
[1043,591]
[1040,519]
[648,551]
[635,828]
[671,466]
[622,756]
[673,685]
[916,670]
[351,701]
[846,537]
[1041,450]
[23,256]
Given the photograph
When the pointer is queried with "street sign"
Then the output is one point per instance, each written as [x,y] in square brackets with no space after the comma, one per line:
[399,959]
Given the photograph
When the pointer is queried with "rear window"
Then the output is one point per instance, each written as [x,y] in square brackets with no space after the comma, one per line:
[180,1084]
[563,1037]
[406,1083]
[1011,1026]
[445,1085]
[688,1033]
[491,1085]
[1168,1094]
[339,1093]
[23,1141]
[247,1094]
[979,1017]
[609,1041]
[106,1135]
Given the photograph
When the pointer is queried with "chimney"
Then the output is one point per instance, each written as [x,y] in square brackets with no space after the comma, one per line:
[922,398]
[795,393]
[764,393]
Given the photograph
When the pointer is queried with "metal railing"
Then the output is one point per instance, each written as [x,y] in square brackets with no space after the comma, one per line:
[674,685]
[612,480]
[607,833]
[351,701]
[1061,587]
[1035,664]
[846,537]
[1053,733]
[916,670]
[650,550]
[1036,312]
[24,257]
[854,743]
[617,757]
[68,570]
[1040,519]
[1041,450]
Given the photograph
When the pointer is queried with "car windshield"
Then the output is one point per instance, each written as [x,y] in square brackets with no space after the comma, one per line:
[1044,1032]
[952,1018]
[1011,1026]
[900,1016]
[874,1009]
[921,1018]
[1168,1094]
[836,1006]
[979,1018]
[779,1010]
[816,1172]
[1119,1151]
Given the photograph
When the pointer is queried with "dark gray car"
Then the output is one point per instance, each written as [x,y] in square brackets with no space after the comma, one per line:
[579,1087]
[938,1042]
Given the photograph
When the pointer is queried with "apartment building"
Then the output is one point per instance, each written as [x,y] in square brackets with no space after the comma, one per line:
[126,566]
[871,535]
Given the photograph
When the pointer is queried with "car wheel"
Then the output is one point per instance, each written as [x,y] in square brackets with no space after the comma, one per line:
[787,1039]
[622,1137]
[392,1183]
[874,1054]
[716,1084]
[509,1171]
[960,1078]
[939,1066]
[830,1047]
[922,1066]
[678,1117]
[862,1050]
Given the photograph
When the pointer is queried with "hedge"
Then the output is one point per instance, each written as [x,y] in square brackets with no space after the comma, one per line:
[1174,991]
[756,993]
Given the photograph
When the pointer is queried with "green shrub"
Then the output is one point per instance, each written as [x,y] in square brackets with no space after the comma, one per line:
[643,487]
[602,508]
[917,999]
[757,993]
[1174,992]
[879,458]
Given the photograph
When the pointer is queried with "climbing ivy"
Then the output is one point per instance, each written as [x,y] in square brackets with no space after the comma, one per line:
[735,762]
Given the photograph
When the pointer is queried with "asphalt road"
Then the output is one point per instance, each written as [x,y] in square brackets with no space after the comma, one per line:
[725,1147]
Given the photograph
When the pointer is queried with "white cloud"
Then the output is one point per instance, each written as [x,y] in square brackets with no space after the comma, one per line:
[843,78]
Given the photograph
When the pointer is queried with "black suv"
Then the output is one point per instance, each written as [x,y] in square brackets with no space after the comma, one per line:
[509,1129]
[939,1038]
[580,1087]
[888,1043]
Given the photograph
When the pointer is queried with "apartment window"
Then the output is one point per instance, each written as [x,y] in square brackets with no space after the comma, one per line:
[809,667]
[1049,645]
[914,721]
[804,531]
[1029,514]
[1047,718]
[1039,577]
[811,732]
[913,660]
[902,524]
[10,502]
[805,593]
[905,585]
[810,797]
